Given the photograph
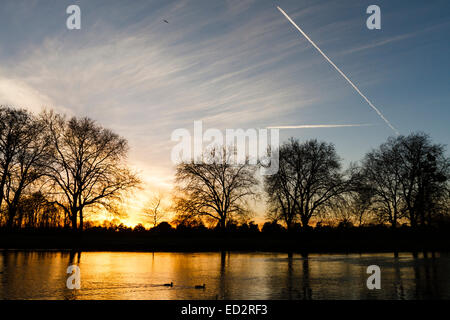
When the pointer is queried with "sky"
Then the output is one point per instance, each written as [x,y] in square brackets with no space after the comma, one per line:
[232,64]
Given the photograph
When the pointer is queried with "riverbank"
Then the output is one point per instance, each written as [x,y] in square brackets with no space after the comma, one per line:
[311,242]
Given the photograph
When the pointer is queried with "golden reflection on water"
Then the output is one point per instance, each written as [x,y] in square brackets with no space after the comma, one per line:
[139,275]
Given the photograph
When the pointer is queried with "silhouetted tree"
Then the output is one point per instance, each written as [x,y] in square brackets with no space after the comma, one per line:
[13,124]
[163,227]
[37,212]
[191,224]
[215,188]
[355,204]
[139,228]
[381,169]
[345,224]
[154,209]
[409,176]
[280,191]
[309,177]
[123,228]
[24,149]
[424,173]
[31,159]
[272,227]
[88,166]
[250,227]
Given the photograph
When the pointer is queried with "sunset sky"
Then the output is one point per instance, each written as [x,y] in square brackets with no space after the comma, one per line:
[231,64]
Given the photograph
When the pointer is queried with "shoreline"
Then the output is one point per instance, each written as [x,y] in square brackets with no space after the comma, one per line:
[283,243]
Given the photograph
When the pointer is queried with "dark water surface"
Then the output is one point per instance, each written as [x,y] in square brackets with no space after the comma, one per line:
[139,275]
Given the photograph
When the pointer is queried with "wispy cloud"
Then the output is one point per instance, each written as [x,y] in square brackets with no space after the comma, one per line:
[314,126]
[148,78]
[16,92]
[391,40]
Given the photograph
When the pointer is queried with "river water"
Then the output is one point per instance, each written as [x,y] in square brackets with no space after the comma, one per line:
[142,275]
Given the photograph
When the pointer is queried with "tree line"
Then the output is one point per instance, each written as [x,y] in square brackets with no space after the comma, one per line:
[54,169]
[404,181]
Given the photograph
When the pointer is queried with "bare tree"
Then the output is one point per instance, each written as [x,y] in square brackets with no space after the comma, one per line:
[280,192]
[215,189]
[88,167]
[424,171]
[24,149]
[13,130]
[36,211]
[29,165]
[352,207]
[31,207]
[360,196]
[155,209]
[309,177]
[409,175]
[381,169]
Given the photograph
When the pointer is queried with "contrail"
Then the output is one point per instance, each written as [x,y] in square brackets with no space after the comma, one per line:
[308,126]
[339,70]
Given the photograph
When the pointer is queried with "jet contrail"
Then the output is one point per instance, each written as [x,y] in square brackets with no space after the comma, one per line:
[339,70]
[308,126]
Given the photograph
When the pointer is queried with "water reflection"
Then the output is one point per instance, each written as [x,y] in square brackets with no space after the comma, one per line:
[127,275]
[307,291]
[398,284]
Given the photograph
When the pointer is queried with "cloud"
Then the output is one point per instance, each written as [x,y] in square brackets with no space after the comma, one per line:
[17,93]
[314,126]
[391,40]
[148,78]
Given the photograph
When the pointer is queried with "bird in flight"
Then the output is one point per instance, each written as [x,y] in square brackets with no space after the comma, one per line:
[166,21]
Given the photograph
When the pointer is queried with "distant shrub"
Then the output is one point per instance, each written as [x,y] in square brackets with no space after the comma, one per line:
[272,227]
[163,227]
[139,228]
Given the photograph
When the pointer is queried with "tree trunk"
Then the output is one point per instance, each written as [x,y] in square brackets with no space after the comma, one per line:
[412,220]
[394,220]
[74,219]
[12,208]
[305,222]
[81,220]
[289,225]
[11,215]
[394,224]
[3,182]
[222,224]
